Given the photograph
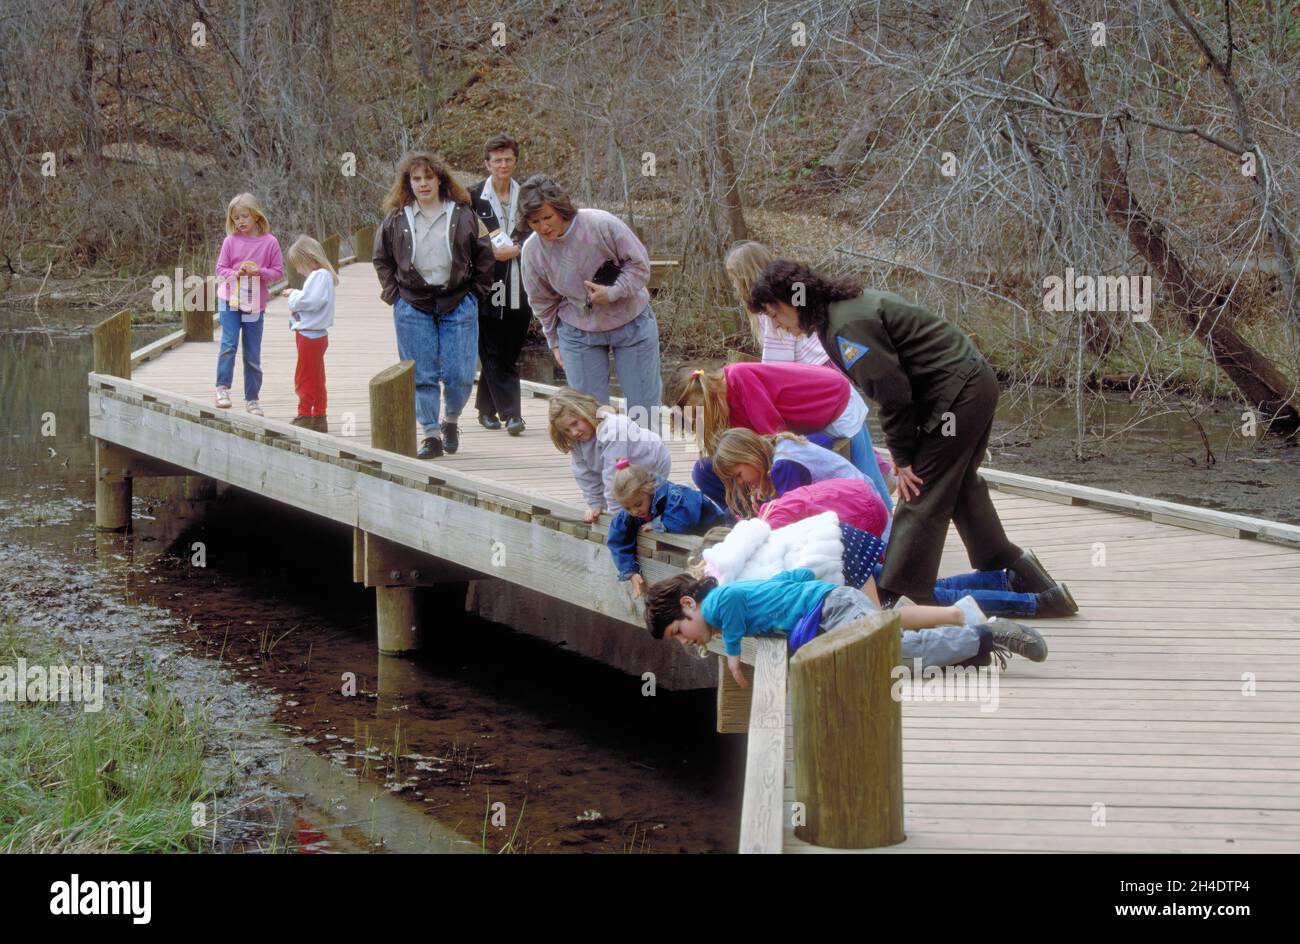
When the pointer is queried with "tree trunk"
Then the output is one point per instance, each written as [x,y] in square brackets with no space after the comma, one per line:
[1263,179]
[1264,386]
[727,169]
[90,137]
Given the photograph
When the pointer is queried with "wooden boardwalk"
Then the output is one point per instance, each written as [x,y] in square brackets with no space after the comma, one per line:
[1166,719]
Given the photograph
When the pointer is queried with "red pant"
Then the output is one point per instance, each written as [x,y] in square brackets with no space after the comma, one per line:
[309,376]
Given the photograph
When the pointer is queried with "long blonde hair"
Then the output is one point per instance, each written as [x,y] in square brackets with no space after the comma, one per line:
[306,253]
[689,385]
[744,263]
[574,403]
[741,446]
[253,206]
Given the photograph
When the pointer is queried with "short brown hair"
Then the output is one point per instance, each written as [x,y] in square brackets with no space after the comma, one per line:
[663,600]
[499,142]
[539,190]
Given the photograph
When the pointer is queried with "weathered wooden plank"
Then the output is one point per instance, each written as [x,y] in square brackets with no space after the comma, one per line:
[762,813]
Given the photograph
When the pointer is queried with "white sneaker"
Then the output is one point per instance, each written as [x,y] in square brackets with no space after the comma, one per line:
[223,397]
[971,610]
[254,407]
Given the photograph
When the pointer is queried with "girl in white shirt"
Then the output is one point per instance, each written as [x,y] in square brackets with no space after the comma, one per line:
[311,312]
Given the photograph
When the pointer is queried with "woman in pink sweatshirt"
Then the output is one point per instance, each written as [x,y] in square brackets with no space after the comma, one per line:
[249,263]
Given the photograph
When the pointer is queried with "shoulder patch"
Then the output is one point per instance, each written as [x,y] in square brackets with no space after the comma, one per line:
[850,351]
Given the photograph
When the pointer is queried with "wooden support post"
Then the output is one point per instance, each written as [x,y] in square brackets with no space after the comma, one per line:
[112,493]
[392,427]
[358,555]
[112,344]
[733,701]
[198,324]
[392,409]
[364,244]
[331,247]
[848,741]
[398,622]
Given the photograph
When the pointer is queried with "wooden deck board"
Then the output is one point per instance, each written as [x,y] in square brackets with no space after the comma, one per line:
[1139,706]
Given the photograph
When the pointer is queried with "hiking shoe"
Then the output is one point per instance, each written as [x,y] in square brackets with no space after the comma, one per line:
[252,406]
[1028,575]
[488,421]
[431,448]
[1017,638]
[320,424]
[1057,601]
[304,421]
[515,425]
[223,397]
[450,437]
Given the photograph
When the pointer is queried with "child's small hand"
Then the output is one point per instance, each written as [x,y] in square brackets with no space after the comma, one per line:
[648,526]
[592,514]
[286,292]
[638,586]
[733,663]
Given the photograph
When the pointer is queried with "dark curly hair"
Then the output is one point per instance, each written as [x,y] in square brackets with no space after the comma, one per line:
[778,281]
[663,600]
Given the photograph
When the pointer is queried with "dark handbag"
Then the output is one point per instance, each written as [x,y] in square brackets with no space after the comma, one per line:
[607,274]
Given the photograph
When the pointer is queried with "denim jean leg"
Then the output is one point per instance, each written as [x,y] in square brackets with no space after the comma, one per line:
[417,341]
[992,602]
[458,345]
[636,356]
[586,360]
[253,357]
[976,580]
[943,645]
[229,345]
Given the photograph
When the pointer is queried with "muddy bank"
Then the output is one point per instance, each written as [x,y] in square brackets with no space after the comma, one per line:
[581,759]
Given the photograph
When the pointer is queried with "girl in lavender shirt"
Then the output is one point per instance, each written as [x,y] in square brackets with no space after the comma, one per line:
[586,311]
[595,439]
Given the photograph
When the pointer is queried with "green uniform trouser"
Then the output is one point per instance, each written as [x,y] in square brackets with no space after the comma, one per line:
[950,491]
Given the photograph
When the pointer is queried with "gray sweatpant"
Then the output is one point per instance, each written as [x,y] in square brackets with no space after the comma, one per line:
[943,645]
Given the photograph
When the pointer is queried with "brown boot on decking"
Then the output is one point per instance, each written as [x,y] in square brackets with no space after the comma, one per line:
[320,424]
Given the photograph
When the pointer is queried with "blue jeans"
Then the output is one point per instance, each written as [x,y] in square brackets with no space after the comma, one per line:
[231,326]
[636,357]
[444,348]
[990,588]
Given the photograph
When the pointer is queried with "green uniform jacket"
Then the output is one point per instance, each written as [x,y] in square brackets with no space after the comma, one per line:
[910,362]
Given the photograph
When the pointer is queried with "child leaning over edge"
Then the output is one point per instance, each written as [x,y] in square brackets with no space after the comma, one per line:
[646,499]
[797,605]
[595,438]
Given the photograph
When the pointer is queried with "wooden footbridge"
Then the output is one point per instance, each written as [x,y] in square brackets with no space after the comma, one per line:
[1166,719]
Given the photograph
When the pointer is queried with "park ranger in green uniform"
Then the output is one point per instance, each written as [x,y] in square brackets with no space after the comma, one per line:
[936,395]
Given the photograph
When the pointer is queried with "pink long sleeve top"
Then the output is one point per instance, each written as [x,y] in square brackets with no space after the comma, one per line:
[264,250]
[778,398]
[853,500]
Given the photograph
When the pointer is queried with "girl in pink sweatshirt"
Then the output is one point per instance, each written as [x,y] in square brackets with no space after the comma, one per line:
[248,264]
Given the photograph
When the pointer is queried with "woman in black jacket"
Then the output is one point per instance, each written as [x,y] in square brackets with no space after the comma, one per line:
[434,261]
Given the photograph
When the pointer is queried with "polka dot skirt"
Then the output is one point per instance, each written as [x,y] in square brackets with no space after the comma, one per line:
[862,551]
